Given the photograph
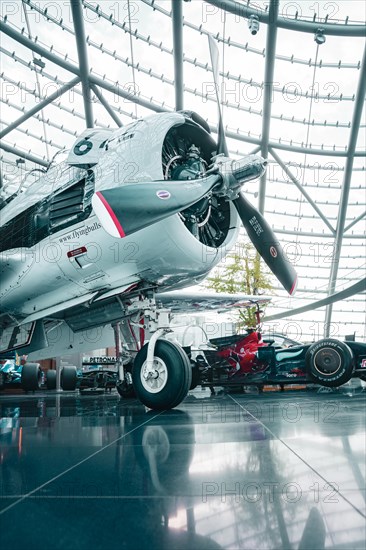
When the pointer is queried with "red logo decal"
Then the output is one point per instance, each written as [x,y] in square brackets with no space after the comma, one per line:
[76,252]
[273,251]
[162,194]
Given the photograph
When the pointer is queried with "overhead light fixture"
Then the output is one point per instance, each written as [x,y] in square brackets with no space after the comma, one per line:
[319,36]
[253,24]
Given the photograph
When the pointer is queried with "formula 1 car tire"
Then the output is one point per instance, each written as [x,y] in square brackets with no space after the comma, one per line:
[31,377]
[330,362]
[68,378]
[51,379]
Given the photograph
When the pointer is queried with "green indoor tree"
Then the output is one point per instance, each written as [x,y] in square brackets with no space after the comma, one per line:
[242,271]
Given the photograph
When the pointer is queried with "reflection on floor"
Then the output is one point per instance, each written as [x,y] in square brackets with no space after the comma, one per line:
[281,471]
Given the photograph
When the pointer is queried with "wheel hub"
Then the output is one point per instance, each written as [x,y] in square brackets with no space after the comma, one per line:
[327,361]
[154,380]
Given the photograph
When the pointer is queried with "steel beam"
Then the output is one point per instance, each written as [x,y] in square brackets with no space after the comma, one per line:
[357,288]
[177,18]
[40,106]
[302,190]
[268,91]
[77,15]
[23,154]
[313,234]
[353,222]
[106,105]
[355,127]
[283,147]
[245,10]
[115,89]
[47,54]
[255,150]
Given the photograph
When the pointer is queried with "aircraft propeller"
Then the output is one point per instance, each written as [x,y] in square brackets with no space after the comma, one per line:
[129,208]
[257,228]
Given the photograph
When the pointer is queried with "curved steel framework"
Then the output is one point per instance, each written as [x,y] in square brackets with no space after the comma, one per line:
[297,200]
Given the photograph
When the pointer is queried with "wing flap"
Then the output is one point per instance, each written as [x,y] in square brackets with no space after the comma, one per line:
[48,312]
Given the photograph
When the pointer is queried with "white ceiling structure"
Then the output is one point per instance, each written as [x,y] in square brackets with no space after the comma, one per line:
[296,100]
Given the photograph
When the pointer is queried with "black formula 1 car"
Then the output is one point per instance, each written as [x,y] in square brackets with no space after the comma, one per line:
[97,378]
[246,359]
[97,381]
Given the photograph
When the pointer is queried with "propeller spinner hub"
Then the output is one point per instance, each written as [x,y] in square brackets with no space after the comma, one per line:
[235,173]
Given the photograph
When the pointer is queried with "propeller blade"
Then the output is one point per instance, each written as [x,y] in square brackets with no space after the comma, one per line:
[214,54]
[266,243]
[129,208]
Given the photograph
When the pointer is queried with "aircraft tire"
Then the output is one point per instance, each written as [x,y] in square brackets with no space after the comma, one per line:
[31,377]
[51,380]
[330,362]
[68,378]
[173,376]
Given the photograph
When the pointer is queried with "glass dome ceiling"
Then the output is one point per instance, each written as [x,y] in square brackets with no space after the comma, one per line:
[294,99]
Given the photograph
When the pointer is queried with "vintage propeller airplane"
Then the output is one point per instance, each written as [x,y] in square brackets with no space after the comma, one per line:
[110,234]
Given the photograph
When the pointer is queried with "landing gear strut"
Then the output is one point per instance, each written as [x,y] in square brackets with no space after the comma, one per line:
[124,364]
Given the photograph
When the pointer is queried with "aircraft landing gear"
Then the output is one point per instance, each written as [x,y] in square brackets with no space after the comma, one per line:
[124,364]
[168,382]
[162,372]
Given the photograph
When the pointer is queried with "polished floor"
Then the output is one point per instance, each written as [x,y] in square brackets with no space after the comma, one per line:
[272,471]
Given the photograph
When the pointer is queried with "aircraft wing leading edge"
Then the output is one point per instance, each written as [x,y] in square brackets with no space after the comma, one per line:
[183,301]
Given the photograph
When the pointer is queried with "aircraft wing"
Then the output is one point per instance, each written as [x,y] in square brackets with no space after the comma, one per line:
[185,301]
